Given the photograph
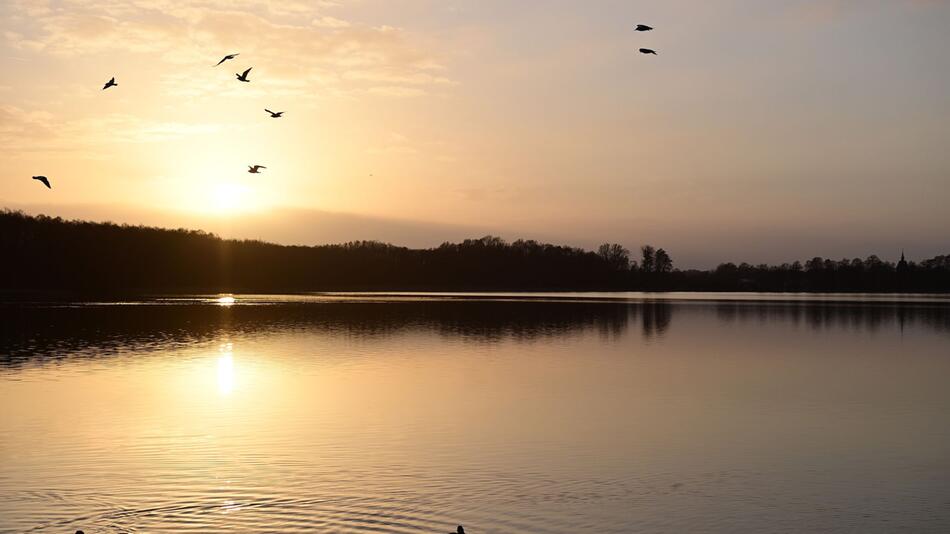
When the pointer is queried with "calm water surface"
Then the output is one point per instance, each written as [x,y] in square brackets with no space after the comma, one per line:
[414,413]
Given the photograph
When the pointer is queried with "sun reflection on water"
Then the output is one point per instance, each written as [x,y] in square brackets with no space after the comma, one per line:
[226,369]
[226,300]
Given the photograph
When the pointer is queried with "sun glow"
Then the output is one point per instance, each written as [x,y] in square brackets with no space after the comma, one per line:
[229,198]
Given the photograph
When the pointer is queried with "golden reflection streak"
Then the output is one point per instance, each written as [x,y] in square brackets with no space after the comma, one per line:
[226,369]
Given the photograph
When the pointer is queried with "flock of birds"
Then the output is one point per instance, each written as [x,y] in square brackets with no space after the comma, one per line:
[256,169]
[253,169]
[242,77]
[645,28]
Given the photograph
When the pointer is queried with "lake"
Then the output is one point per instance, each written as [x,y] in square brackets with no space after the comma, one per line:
[545,413]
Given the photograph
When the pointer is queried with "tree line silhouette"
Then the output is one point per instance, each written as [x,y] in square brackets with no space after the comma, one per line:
[45,254]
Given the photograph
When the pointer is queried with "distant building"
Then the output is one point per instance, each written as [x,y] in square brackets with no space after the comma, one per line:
[902,265]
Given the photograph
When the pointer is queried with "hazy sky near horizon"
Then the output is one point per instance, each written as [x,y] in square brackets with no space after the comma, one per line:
[763,131]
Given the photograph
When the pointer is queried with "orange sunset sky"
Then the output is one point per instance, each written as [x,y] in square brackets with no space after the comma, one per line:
[762,131]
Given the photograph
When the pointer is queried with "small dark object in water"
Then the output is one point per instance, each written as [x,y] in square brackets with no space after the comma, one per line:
[459,530]
[80,532]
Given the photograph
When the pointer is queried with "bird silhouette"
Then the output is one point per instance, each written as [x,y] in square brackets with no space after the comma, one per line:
[110,83]
[243,76]
[227,57]
[255,169]
[43,179]
[643,28]
[458,530]
[274,114]
[647,51]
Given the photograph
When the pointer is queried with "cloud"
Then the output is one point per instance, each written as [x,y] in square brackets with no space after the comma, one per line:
[23,131]
[330,22]
[413,79]
[130,129]
[396,91]
[294,40]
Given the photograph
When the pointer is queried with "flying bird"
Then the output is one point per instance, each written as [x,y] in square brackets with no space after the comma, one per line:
[110,83]
[643,28]
[274,114]
[43,179]
[647,51]
[227,57]
[255,169]
[243,76]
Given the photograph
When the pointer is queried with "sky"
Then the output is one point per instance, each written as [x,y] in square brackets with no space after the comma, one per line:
[761,132]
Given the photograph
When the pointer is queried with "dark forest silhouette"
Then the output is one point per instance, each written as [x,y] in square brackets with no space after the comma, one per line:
[52,255]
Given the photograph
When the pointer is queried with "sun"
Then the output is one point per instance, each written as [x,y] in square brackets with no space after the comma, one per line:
[229,198]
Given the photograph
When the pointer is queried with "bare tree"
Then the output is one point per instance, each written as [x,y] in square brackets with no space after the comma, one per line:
[615,255]
[648,259]
[664,264]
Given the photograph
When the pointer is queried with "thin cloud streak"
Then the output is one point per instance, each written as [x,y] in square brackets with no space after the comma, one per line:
[380,59]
